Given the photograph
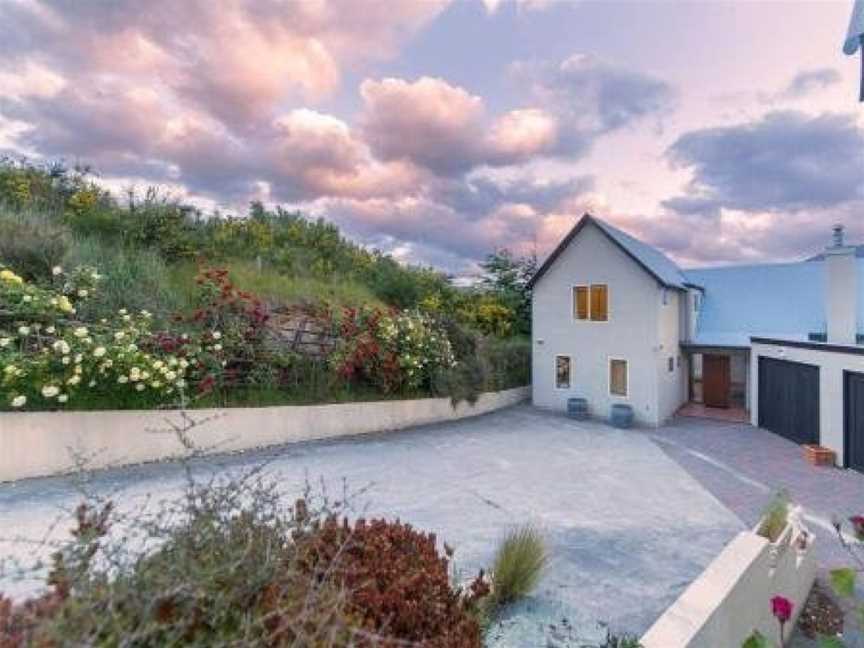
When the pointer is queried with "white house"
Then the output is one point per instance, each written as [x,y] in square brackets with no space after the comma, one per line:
[616,321]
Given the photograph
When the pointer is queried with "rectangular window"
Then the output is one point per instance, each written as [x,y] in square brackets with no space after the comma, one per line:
[618,377]
[599,303]
[580,302]
[671,364]
[562,372]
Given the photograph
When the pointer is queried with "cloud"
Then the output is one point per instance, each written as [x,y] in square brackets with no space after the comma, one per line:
[428,121]
[591,96]
[809,81]
[784,161]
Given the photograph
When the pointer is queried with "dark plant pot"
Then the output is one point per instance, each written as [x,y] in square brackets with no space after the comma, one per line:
[577,408]
[621,416]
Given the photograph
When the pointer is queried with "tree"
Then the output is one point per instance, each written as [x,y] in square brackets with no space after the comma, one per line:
[507,276]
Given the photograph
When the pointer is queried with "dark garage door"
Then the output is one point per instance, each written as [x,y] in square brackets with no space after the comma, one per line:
[853,396]
[789,399]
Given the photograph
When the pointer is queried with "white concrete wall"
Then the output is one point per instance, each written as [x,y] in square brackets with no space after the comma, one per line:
[731,598]
[671,385]
[35,444]
[631,332]
[831,367]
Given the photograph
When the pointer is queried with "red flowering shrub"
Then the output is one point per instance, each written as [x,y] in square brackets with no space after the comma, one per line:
[391,350]
[397,584]
[233,322]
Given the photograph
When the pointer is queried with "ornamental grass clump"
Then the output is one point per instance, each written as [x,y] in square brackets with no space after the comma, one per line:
[518,566]
[774,517]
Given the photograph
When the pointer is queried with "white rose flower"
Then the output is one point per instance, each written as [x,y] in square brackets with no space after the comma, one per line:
[50,329]
[98,352]
[92,383]
[66,360]
[10,369]
[56,270]
[184,363]
[140,387]
[62,398]
[119,335]
[170,375]
[156,384]
[158,364]
[216,335]
[23,330]
[4,342]
[82,293]
[217,347]
[50,391]
[127,318]
[122,311]
[78,358]
[80,332]
[123,380]
[180,383]
[27,299]
[74,380]
[19,401]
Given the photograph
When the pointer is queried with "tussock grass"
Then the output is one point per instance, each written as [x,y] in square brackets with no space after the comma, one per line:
[519,564]
[775,516]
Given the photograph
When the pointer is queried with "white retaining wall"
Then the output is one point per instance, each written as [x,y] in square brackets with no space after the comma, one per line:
[36,444]
[732,597]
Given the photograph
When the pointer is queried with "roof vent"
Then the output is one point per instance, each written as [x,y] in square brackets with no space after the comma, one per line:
[838,235]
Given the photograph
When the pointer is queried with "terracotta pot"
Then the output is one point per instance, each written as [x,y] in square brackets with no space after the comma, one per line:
[819,456]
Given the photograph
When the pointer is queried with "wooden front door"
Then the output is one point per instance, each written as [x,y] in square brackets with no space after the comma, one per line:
[715,380]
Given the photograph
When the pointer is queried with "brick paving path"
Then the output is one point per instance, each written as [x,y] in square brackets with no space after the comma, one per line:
[743,467]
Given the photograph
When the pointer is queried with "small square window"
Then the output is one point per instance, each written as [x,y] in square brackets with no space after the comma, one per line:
[562,372]
[618,377]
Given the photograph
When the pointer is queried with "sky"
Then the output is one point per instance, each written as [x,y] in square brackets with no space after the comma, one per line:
[719,131]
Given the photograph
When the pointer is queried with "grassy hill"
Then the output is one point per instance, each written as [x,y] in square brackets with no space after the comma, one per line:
[150,250]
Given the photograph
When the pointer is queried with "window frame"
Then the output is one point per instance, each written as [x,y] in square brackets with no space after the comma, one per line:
[569,371]
[588,317]
[626,362]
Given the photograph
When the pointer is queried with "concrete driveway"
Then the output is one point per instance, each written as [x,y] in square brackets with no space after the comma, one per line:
[627,527]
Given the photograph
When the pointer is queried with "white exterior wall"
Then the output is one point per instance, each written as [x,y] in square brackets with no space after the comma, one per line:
[630,334]
[831,365]
[671,386]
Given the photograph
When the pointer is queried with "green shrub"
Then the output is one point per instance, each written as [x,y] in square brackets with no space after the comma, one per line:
[774,516]
[464,381]
[508,362]
[519,564]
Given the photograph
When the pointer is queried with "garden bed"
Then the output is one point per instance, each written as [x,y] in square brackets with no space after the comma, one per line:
[47,443]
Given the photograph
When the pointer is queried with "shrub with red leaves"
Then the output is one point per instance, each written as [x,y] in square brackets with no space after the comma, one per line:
[397,584]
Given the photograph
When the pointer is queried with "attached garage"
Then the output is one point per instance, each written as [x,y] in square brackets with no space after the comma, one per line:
[811,392]
[789,399]
[853,423]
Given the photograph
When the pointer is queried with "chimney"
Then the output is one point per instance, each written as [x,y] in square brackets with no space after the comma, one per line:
[841,296]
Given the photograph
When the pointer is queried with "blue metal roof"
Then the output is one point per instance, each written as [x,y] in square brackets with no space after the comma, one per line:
[653,259]
[785,300]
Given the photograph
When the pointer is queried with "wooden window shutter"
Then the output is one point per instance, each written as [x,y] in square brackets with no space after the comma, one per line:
[580,302]
[599,302]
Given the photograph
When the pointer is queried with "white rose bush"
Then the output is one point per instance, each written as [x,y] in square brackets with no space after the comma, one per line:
[48,360]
